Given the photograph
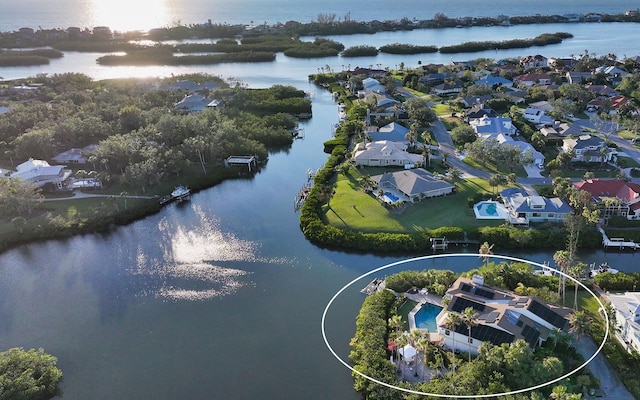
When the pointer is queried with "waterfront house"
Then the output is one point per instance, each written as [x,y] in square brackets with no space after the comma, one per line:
[75,155]
[524,208]
[192,103]
[385,153]
[627,311]
[502,317]
[613,197]
[392,131]
[413,184]
[40,173]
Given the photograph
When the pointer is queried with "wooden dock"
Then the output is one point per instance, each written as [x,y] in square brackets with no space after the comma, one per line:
[249,161]
[617,243]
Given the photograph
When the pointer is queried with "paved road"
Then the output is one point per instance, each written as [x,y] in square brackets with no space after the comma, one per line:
[611,386]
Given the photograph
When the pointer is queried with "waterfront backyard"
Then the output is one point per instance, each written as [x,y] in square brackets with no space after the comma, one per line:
[351,207]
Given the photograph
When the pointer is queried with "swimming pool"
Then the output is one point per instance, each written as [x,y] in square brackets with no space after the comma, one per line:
[390,197]
[426,317]
[490,210]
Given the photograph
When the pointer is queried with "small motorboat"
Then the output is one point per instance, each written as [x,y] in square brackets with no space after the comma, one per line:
[601,269]
[181,193]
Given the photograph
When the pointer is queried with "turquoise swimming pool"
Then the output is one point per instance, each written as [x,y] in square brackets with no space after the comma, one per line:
[426,317]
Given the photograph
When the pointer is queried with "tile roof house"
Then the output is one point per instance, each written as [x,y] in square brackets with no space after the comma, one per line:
[40,173]
[627,309]
[385,153]
[524,208]
[415,184]
[613,197]
[503,316]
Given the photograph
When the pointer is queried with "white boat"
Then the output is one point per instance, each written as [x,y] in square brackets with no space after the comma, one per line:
[601,269]
[181,193]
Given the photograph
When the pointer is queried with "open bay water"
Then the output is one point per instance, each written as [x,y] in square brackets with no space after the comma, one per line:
[127,15]
[220,297]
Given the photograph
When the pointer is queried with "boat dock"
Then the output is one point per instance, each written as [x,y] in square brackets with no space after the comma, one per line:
[439,243]
[300,198]
[249,161]
[375,285]
[617,243]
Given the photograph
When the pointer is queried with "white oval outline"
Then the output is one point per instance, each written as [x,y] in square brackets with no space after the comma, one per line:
[326,341]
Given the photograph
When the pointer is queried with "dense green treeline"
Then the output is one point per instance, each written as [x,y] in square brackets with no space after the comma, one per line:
[540,40]
[144,145]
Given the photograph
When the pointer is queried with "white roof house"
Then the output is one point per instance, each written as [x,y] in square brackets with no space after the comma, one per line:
[40,173]
[627,308]
[385,153]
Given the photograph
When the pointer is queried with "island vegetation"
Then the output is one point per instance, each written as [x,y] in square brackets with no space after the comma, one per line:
[28,375]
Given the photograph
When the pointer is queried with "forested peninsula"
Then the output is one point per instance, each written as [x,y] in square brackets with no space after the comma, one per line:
[137,146]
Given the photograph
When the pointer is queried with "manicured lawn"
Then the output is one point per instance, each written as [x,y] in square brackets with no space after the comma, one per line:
[352,208]
[627,162]
[442,109]
[404,311]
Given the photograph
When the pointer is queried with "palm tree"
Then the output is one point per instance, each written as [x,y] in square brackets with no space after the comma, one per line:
[468,318]
[575,272]
[578,322]
[452,323]
[485,252]
[562,260]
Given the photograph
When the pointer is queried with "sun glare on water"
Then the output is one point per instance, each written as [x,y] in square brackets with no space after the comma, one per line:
[131,15]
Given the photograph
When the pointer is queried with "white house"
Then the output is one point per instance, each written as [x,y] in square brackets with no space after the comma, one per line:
[587,148]
[524,208]
[487,126]
[535,61]
[627,308]
[40,173]
[385,153]
[537,116]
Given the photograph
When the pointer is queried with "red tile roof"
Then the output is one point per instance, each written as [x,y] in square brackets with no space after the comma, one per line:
[628,192]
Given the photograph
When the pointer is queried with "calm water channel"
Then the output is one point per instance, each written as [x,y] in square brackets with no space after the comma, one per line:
[221,297]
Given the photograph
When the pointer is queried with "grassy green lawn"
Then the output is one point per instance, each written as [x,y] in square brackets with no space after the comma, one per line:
[442,109]
[352,208]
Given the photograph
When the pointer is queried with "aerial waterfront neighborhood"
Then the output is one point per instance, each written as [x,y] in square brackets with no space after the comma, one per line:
[167,184]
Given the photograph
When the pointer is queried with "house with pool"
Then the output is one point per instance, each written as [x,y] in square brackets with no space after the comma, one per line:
[410,185]
[524,208]
[502,316]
